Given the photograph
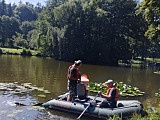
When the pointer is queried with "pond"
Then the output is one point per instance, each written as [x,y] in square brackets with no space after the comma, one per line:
[31,80]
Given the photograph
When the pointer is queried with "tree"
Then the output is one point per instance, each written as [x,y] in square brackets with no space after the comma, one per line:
[80,27]
[31,39]
[9,26]
[27,26]
[151,12]
[38,8]
[9,11]
[19,41]
[25,13]
[2,8]
[119,30]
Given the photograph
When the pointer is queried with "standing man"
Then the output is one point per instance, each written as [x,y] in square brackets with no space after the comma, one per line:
[111,95]
[74,76]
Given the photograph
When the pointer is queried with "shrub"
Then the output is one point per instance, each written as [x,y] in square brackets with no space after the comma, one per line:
[26,53]
[1,51]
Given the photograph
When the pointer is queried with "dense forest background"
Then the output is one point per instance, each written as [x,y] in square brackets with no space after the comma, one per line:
[95,31]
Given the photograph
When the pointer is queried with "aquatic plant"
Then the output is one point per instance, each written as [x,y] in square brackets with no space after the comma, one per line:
[124,89]
[157,95]
[22,89]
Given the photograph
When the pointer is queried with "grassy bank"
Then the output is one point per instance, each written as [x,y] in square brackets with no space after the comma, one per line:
[150,114]
[18,51]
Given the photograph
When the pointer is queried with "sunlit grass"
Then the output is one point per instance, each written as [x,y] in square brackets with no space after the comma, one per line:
[17,51]
[150,114]
[153,60]
[11,50]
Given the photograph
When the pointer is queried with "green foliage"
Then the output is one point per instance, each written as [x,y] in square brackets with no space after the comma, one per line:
[151,115]
[97,31]
[114,118]
[26,27]
[1,51]
[31,38]
[25,13]
[26,52]
[157,95]
[8,28]
[86,25]
[19,41]
[11,23]
[151,11]
[124,90]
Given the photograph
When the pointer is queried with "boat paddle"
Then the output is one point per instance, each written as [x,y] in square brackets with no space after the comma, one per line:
[21,104]
[87,107]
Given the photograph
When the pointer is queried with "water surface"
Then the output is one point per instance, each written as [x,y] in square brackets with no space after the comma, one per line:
[49,74]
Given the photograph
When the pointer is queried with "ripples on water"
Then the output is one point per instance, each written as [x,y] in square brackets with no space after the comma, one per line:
[9,95]
[8,109]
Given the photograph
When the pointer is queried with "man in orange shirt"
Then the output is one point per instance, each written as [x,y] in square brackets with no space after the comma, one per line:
[111,95]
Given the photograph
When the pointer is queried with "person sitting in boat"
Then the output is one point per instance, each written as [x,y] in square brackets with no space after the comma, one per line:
[111,95]
[74,77]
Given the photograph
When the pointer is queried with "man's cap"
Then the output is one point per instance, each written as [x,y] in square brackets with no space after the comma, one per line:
[109,81]
[78,62]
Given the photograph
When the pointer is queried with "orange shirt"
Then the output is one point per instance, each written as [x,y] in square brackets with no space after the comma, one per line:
[109,92]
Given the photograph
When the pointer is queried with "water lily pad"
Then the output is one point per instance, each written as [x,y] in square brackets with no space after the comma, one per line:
[40,89]
[35,108]
[3,111]
[17,111]
[9,89]
[47,92]
[16,93]
[11,115]
[139,94]
[3,88]
[124,89]
[27,85]
[34,88]
[41,95]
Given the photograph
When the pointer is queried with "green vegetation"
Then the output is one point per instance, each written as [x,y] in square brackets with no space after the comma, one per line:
[1,51]
[23,89]
[157,72]
[97,31]
[153,114]
[153,60]
[19,51]
[124,90]
[11,50]
[157,95]
[150,113]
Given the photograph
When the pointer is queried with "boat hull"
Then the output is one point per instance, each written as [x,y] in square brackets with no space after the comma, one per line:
[124,108]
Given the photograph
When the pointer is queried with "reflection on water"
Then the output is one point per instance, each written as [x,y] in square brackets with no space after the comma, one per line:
[49,76]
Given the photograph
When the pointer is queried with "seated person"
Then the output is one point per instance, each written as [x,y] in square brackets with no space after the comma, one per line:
[111,95]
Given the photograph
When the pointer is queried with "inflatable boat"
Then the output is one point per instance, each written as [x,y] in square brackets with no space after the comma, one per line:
[125,108]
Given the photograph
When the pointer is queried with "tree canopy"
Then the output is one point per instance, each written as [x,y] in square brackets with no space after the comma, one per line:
[96,31]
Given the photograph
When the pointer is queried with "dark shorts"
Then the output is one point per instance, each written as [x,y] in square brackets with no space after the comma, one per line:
[108,104]
[72,88]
